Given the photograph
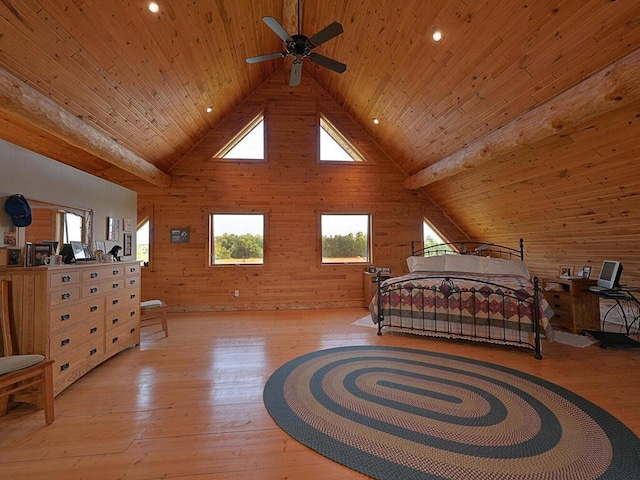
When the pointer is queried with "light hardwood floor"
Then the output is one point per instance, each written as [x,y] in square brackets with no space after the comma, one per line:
[190,406]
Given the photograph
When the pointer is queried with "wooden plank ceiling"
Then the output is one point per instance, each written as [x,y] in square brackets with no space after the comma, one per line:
[143,81]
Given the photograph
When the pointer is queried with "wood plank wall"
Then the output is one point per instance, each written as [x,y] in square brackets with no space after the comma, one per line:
[292,188]
[575,199]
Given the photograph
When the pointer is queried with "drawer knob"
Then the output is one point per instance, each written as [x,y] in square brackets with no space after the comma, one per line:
[64,367]
[132,313]
[132,330]
[93,351]
[64,317]
[65,295]
[66,278]
[132,296]
[94,308]
[64,342]
[94,274]
[94,289]
[116,285]
[114,339]
[114,321]
[114,301]
[93,330]
[116,272]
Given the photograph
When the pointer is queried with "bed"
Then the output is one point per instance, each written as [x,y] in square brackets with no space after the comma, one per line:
[467,290]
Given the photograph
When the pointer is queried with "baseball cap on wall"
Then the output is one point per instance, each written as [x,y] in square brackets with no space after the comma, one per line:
[19,210]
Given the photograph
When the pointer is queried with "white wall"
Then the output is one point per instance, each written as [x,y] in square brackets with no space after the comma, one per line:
[40,178]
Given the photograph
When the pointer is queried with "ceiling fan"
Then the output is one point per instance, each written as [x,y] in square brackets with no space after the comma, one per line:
[300,46]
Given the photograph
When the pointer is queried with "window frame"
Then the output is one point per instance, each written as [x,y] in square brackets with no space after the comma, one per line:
[337,136]
[369,234]
[211,256]
[240,136]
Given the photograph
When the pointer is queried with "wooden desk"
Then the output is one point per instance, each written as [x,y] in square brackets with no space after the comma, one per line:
[575,308]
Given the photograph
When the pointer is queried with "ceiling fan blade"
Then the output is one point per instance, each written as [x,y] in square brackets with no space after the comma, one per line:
[296,73]
[327,62]
[274,25]
[326,34]
[268,56]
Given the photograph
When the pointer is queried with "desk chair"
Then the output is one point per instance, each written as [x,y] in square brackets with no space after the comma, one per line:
[154,312]
[20,373]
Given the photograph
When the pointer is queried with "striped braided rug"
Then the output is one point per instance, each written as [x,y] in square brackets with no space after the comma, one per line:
[397,413]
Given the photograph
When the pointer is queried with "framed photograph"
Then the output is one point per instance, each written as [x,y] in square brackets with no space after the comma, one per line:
[371,269]
[565,271]
[179,235]
[127,244]
[586,272]
[113,228]
[40,252]
[101,246]
[128,225]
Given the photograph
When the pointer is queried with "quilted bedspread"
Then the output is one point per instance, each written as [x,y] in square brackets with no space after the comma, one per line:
[491,307]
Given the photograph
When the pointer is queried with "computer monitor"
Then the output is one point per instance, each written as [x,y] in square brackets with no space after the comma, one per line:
[610,274]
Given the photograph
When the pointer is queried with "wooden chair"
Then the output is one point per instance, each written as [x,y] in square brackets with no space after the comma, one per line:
[20,373]
[154,312]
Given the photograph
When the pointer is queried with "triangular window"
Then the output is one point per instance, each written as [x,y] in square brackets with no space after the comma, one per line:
[248,144]
[334,147]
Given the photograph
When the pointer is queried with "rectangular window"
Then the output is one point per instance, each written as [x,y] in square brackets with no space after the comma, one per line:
[142,243]
[237,239]
[345,238]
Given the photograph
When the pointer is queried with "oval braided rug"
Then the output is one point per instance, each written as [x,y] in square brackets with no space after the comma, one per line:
[398,413]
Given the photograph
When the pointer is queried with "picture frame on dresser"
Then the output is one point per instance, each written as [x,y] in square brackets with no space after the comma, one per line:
[40,252]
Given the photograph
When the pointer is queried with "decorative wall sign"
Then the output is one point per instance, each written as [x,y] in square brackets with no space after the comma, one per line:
[179,235]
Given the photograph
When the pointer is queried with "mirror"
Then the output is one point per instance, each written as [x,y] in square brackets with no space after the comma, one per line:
[58,223]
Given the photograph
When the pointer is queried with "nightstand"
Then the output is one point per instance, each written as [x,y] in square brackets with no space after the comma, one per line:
[370,285]
[575,308]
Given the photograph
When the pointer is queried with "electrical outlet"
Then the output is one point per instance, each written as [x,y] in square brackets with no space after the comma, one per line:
[236,293]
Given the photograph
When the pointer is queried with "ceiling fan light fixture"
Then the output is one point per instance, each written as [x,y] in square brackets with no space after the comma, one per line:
[436,35]
[154,7]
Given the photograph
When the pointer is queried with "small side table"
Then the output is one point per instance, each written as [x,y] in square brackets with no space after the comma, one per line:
[370,285]
[575,308]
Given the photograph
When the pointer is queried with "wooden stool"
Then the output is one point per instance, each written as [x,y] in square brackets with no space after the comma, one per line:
[154,312]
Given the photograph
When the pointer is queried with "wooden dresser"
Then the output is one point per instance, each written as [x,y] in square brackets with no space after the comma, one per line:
[77,315]
[574,307]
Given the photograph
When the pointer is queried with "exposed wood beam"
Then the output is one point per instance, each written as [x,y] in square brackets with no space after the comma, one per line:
[617,85]
[27,103]
[290,15]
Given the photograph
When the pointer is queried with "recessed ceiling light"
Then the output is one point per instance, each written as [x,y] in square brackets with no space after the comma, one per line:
[437,36]
[154,7]
[376,121]
[210,109]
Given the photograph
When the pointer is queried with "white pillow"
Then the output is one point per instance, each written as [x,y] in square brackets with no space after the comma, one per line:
[426,264]
[504,266]
[465,263]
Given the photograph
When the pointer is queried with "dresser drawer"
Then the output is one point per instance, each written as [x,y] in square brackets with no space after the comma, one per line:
[99,273]
[67,295]
[68,315]
[58,278]
[132,269]
[102,288]
[72,338]
[124,336]
[72,364]
[120,317]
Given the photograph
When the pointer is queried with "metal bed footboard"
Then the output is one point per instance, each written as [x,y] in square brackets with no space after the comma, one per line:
[487,312]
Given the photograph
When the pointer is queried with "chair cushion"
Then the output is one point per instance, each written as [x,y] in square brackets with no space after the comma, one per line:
[151,304]
[18,362]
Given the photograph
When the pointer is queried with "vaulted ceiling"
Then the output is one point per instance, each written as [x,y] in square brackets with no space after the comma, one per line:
[110,87]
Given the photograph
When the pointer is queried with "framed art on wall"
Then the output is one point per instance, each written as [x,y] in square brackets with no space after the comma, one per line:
[127,244]
[113,228]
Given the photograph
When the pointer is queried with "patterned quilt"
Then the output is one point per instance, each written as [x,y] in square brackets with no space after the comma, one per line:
[494,308]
